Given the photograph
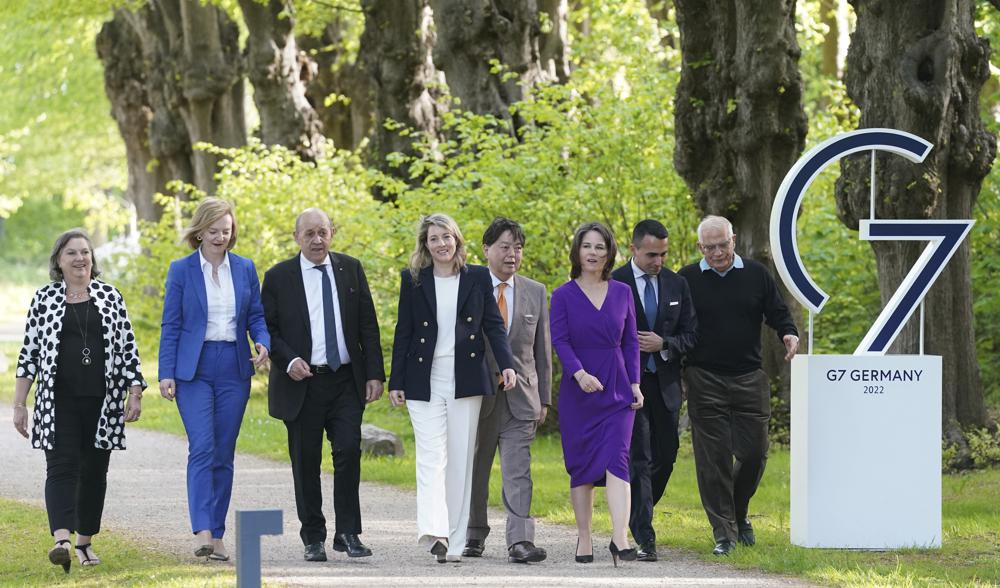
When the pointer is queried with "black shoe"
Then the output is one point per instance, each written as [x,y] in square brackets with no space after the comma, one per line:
[724,547]
[745,535]
[474,548]
[584,558]
[440,551]
[621,554]
[646,552]
[315,552]
[525,552]
[350,543]
[59,554]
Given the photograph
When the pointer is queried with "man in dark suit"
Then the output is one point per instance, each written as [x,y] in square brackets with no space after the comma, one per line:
[666,322]
[327,363]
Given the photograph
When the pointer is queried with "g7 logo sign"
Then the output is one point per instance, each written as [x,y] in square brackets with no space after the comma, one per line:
[945,236]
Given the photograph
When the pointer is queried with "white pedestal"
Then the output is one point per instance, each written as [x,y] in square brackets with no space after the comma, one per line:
[866,451]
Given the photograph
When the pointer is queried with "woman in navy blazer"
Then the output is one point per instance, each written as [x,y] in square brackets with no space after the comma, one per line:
[212,301]
[439,371]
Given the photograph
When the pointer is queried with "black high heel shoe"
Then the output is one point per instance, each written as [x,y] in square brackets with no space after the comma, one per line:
[59,555]
[84,556]
[584,558]
[621,554]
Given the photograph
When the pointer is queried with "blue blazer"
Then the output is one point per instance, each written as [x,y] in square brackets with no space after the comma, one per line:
[185,316]
[477,320]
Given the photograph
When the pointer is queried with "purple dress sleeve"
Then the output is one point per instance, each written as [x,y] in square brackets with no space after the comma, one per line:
[630,341]
[559,326]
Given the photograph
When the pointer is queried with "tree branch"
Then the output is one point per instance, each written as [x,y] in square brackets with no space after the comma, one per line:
[349,9]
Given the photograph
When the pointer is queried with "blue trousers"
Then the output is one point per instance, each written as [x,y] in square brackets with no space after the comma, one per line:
[212,407]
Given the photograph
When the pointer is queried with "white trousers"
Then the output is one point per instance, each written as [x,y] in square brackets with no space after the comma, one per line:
[445,432]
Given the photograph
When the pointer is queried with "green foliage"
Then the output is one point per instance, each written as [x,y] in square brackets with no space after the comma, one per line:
[69,153]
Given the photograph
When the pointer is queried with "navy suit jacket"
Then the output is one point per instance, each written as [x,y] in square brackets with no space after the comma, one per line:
[477,319]
[675,322]
[185,316]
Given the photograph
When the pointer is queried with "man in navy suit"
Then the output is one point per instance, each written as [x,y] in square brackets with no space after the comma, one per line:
[666,322]
[327,364]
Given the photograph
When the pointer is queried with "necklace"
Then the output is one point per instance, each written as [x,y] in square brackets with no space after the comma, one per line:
[76,295]
[86,325]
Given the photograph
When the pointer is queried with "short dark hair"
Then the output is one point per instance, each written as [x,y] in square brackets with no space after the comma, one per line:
[574,251]
[55,272]
[497,228]
[653,228]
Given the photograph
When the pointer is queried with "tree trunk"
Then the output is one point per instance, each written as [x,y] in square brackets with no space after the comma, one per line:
[920,68]
[125,83]
[347,118]
[190,73]
[553,46]
[396,53]
[660,11]
[473,36]
[739,121]
[275,69]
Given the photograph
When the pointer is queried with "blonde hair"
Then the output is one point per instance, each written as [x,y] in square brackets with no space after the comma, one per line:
[421,256]
[209,211]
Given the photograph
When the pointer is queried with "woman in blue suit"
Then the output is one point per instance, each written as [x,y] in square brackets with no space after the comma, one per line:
[212,301]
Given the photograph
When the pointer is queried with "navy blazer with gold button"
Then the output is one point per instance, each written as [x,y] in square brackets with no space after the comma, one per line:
[478,317]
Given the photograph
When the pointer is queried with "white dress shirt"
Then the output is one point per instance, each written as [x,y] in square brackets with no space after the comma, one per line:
[313,283]
[508,295]
[221,298]
[640,284]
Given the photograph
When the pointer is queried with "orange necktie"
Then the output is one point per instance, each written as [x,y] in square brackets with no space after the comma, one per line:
[502,303]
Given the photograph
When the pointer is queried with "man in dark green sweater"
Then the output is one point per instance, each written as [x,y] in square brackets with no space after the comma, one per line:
[728,392]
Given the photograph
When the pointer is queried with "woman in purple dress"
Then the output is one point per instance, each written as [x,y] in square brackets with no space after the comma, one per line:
[594,334]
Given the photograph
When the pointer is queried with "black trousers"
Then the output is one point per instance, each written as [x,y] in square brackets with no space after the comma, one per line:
[654,451]
[76,472]
[729,419]
[331,405]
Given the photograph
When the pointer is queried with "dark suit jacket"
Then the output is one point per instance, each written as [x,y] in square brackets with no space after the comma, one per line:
[287,315]
[477,319]
[675,322]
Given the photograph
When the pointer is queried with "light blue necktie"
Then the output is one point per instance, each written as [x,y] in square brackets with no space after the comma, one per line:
[329,320]
[649,306]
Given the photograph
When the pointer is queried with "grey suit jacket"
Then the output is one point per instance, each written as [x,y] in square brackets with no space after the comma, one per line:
[531,345]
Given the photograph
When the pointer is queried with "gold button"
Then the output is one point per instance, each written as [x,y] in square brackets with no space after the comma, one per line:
[472,337]
[421,339]
[473,354]
[425,323]
[468,319]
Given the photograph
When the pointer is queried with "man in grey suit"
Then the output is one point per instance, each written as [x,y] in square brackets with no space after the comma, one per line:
[509,419]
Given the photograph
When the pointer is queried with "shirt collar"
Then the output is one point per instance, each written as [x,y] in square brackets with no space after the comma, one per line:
[308,265]
[737,264]
[497,281]
[204,262]
[637,272]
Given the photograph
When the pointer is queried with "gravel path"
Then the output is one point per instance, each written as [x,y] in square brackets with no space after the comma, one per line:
[146,498]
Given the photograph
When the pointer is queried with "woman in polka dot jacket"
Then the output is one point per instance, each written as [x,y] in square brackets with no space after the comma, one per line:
[80,351]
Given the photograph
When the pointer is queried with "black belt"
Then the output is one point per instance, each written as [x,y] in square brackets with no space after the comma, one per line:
[326,369]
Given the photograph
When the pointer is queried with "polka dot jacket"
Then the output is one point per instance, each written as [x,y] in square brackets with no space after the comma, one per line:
[40,356]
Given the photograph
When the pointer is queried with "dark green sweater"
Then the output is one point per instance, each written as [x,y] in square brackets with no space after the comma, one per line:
[730,310]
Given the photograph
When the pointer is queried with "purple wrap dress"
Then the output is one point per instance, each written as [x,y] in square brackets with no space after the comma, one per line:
[596,428]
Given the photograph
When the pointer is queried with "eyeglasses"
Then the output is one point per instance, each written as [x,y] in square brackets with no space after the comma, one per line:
[713,247]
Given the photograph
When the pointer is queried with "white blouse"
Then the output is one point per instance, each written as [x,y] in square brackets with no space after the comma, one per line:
[221,301]
[446,292]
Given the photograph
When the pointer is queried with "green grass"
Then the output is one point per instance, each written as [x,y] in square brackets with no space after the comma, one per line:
[25,562]
[971,516]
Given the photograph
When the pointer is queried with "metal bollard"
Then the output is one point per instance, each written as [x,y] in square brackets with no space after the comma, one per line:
[250,525]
